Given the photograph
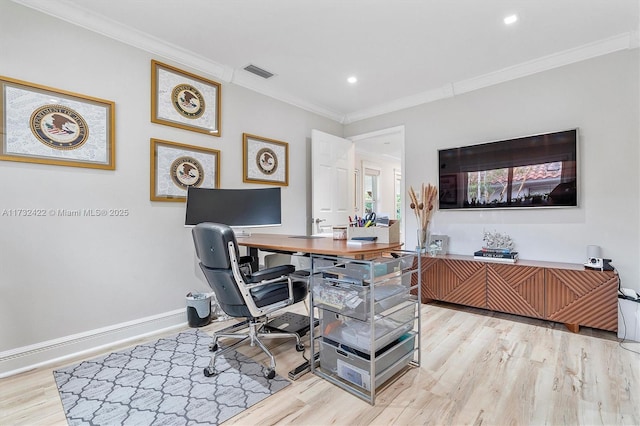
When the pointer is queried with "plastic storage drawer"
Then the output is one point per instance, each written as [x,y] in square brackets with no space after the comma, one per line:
[357,334]
[354,300]
[355,368]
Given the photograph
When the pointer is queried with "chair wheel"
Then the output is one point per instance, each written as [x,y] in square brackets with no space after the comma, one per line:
[208,372]
[300,347]
[270,374]
[213,348]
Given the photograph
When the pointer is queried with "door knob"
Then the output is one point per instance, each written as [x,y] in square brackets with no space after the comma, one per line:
[318,220]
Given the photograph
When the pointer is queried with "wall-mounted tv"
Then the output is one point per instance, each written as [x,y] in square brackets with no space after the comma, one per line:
[526,172]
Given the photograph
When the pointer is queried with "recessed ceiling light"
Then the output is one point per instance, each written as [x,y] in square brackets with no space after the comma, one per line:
[511,19]
[352,80]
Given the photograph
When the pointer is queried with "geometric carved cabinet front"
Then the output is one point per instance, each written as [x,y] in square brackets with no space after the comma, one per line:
[587,298]
[462,282]
[429,278]
[516,289]
[562,293]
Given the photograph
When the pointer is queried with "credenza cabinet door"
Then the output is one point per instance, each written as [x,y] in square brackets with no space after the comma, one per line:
[429,281]
[516,290]
[586,298]
[462,282]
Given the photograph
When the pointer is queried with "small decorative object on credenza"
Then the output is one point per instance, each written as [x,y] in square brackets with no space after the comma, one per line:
[438,244]
[423,207]
[497,247]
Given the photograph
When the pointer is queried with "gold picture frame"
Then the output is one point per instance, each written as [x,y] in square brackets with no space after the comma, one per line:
[176,166]
[264,160]
[184,100]
[40,124]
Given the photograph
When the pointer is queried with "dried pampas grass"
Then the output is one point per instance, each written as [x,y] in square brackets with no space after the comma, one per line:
[423,204]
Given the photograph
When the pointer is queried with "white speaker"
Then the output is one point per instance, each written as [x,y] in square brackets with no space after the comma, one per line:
[594,257]
[594,251]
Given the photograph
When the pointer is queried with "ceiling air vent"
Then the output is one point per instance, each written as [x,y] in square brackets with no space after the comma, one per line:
[258,71]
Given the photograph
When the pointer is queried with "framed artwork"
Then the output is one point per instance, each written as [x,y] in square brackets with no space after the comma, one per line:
[184,100]
[175,167]
[265,160]
[40,124]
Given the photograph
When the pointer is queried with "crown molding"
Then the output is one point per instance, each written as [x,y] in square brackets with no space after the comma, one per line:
[84,18]
[401,103]
[63,10]
[546,63]
[623,41]
[257,84]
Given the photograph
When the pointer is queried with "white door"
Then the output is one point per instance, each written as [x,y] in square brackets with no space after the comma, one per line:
[332,181]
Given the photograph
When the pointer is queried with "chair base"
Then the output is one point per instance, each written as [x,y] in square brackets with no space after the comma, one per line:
[291,322]
[255,333]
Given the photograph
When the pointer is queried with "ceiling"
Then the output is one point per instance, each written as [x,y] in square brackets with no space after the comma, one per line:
[403,52]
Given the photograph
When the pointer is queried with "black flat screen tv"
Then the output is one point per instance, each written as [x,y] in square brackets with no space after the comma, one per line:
[238,208]
[527,172]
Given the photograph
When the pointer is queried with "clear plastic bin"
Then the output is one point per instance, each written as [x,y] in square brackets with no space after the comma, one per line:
[357,334]
[355,367]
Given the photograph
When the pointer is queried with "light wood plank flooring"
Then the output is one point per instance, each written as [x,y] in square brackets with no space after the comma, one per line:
[478,368]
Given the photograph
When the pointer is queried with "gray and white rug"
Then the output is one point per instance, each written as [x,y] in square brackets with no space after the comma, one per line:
[162,383]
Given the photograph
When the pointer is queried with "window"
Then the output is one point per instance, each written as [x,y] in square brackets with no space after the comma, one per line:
[397,190]
[370,189]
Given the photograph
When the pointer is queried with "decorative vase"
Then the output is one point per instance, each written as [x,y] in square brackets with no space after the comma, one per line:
[423,238]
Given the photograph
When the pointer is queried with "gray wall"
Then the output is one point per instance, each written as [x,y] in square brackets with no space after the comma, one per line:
[598,96]
[62,276]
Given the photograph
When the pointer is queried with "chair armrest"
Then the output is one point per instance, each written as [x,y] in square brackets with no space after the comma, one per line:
[270,273]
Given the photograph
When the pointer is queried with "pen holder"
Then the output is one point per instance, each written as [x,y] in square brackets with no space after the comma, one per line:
[385,234]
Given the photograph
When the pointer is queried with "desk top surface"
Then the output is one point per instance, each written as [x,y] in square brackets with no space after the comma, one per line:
[312,245]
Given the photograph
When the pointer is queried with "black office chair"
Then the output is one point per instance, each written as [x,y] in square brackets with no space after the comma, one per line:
[244,293]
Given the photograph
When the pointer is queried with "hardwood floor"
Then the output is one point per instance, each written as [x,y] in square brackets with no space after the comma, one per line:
[478,368]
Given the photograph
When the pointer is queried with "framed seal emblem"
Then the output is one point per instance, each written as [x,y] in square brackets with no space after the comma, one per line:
[175,167]
[59,127]
[186,171]
[188,101]
[265,160]
[40,124]
[184,100]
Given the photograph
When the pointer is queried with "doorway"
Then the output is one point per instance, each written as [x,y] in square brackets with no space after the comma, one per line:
[378,175]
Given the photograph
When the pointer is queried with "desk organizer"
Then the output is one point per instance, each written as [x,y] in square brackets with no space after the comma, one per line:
[386,234]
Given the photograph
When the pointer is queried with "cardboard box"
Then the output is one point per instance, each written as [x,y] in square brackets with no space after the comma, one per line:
[385,234]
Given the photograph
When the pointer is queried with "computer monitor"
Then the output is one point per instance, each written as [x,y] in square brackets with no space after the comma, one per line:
[237,208]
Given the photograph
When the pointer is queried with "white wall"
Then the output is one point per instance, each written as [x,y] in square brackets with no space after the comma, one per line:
[598,96]
[62,276]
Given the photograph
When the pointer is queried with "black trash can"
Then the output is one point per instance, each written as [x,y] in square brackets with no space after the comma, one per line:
[198,309]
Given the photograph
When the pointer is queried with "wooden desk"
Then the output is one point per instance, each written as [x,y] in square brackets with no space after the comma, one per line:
[312,245]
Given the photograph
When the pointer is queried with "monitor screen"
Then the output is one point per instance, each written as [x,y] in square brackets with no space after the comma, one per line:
[237,208]
[531,171]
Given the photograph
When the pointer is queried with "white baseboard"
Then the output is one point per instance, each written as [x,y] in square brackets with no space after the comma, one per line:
[26,358]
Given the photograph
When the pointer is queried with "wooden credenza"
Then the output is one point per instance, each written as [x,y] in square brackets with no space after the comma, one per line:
[560,292]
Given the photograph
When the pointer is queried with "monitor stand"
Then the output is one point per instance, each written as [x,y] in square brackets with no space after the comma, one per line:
[241,233]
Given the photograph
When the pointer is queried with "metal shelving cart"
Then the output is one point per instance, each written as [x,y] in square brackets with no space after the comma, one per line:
[369,312]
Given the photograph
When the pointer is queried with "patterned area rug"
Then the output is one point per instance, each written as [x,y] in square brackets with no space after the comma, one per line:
[162,383]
